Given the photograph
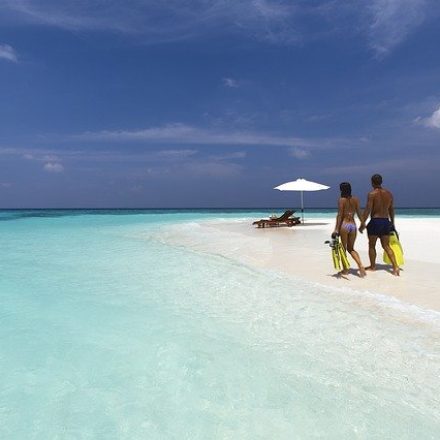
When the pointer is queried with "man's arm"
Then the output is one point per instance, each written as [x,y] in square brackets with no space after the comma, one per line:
[367,212]
[391,210]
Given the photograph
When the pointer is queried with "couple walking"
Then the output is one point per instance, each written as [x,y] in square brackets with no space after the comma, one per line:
[381,209]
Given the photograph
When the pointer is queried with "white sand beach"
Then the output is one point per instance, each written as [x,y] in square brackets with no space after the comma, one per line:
[300,251]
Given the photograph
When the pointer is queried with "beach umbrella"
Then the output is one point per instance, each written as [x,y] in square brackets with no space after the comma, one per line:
[301,185]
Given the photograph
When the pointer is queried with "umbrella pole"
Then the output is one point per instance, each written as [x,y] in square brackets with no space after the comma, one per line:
[302,205]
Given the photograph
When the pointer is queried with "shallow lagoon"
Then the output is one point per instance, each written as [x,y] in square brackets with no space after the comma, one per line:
[107,332]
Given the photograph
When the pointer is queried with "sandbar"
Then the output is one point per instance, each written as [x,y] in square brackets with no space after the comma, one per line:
[300,251]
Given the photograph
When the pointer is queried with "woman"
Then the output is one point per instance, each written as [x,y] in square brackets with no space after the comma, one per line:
[348,206]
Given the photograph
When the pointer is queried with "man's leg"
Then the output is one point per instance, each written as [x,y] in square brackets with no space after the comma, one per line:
[385,241]
[372,239]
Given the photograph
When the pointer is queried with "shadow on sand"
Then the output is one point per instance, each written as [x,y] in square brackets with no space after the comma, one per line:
[355,272]
[340,275]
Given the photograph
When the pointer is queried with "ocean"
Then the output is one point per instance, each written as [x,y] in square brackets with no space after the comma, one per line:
[109,332]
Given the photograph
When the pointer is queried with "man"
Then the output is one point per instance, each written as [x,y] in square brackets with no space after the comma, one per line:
[380,207]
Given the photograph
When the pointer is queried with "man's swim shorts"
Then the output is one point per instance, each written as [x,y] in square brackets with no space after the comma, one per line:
[379,227]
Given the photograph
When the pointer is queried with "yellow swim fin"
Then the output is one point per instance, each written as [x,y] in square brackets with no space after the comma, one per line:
[339,257]
[336,259]
[397,249]
[343,255]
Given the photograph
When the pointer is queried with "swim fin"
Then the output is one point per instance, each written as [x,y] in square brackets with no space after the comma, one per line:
[336,259]
[343,255]
[397,249]
[339,256]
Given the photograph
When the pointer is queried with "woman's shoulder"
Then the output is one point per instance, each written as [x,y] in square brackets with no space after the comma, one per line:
[342,203]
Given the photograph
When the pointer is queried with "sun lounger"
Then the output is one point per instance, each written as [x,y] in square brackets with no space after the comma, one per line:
[285,220]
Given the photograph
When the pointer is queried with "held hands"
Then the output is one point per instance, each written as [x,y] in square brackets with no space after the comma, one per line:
[362,227]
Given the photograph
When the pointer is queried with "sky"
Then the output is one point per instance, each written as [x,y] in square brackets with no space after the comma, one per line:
[212,103]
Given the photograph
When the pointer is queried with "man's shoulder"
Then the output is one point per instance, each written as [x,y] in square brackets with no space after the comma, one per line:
[388,192]
[374,192]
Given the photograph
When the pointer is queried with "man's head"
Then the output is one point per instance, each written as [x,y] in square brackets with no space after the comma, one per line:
[376,180]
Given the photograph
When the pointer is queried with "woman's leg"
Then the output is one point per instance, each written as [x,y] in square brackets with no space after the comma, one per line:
[350,248]
[344,240]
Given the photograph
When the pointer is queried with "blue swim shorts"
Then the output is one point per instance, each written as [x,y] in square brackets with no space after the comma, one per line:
[379,227]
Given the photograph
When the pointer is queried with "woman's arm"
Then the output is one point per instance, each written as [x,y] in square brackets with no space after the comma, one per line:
[340,216]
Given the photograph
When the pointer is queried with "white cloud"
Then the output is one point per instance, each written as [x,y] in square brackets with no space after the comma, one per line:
[164,133]
[231,83]
[161,21]
[298,153]
[385,23]
[8,53]
[392,21]
[432,121]
[175,154]
[179,133]
[52,162]
[53,167]
[231,156]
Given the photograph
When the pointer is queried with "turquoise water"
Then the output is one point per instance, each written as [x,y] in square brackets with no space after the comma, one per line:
[108,333]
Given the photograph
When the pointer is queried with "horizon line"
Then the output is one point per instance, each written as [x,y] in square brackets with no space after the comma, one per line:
[188,208]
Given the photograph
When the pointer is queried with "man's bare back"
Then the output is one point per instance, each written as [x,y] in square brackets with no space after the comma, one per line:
[381,204]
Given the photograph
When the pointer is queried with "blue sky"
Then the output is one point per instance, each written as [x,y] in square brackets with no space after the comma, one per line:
[212,103]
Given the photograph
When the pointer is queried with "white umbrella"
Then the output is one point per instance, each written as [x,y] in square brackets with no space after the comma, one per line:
[301,185]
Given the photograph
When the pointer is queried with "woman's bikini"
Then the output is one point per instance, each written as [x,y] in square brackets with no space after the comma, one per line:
[348,223]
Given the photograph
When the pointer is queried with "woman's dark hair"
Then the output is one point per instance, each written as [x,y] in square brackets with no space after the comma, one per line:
[345,188]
